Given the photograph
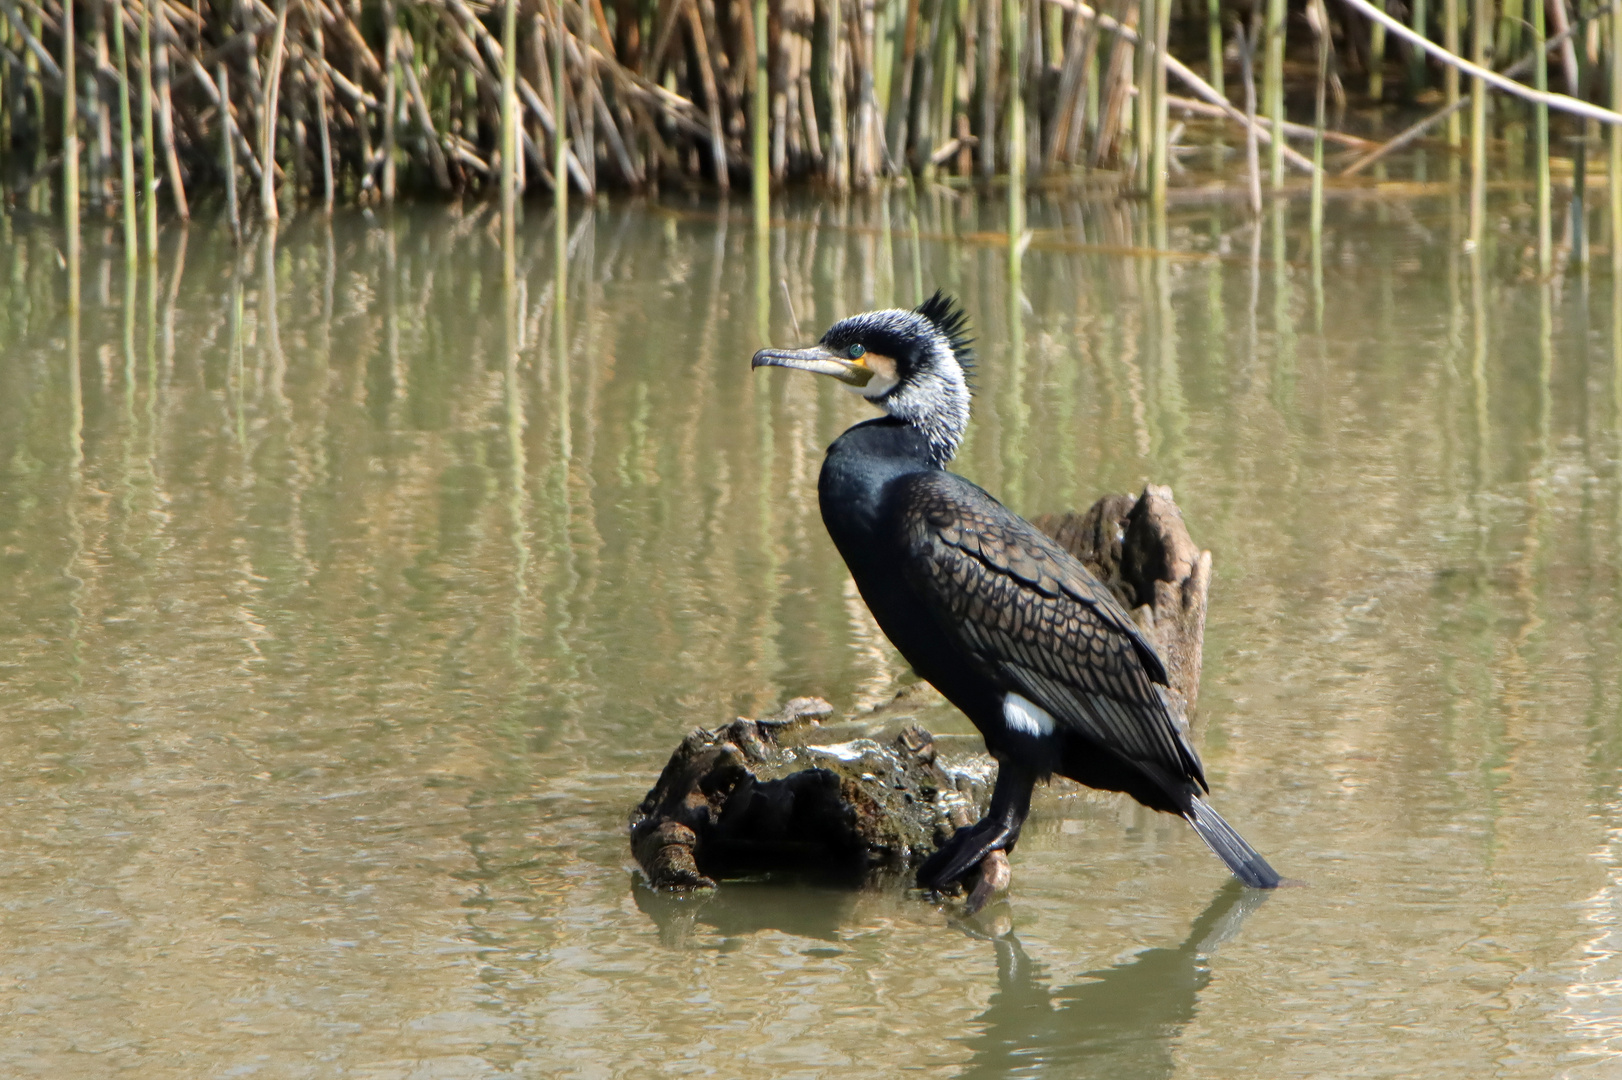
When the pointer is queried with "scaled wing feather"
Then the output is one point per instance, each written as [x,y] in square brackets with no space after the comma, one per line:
[1033,616]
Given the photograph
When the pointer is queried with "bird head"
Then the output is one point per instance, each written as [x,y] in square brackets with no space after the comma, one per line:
[912,364]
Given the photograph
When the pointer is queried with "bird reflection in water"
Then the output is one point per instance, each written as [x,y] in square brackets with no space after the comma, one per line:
[1116,1022]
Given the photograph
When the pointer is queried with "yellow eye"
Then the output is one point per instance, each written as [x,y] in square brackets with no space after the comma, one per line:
[857,352]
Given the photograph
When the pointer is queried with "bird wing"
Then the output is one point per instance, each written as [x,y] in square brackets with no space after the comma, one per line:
[1038,620]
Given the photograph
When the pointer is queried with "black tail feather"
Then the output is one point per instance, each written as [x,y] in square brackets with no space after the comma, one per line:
[1245,861]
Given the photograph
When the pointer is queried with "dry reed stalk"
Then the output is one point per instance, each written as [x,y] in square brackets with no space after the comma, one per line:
[948,64]
[227,131]
[1417,19]
[1450,74]
[1318,20]
[888,89]
[1377,59]
[902,76]
[1274,87]
[323,130]
[919,143]
[390,104]
[101,160]
[1213,32]
[838,160]
[70,172]
[267,118]
[1613,177]
[1540,80]
[1143,125]
[582,115]
[1016,135]
[1071,97]
[1161,149]
[807,101]
[126,139]
[989,35]
[1117,87]
[1247,72]
[166,126]
[760,166]
[867,139]
[149,179]
[712,95]
[560,144]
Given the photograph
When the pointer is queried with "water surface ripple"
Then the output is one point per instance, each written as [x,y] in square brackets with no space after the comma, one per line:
[343,620]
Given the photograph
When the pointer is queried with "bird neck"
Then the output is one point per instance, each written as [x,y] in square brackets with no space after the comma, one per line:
[860,464]
[936,405]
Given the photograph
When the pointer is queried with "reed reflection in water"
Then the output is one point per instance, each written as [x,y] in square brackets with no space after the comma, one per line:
[350,598]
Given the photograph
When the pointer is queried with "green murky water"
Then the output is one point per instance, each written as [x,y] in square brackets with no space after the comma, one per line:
[343,620]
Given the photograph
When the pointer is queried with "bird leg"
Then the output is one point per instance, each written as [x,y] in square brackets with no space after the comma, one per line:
[997,831]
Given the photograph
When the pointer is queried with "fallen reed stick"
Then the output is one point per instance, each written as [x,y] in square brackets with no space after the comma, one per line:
[1492,78]
[1418,129]
[1292,130]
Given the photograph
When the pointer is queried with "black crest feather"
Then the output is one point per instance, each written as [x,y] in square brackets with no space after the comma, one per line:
[949,318]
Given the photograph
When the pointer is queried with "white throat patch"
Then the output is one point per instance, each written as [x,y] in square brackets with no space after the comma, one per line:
[1023,714]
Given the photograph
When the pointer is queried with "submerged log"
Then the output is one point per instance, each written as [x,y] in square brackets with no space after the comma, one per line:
[778,794]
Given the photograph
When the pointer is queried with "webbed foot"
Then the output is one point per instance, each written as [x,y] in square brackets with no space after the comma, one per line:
[964,851]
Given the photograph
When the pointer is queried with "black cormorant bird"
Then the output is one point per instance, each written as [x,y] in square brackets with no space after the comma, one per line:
[1004,622]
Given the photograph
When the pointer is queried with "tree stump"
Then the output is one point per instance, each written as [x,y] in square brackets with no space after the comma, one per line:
[763,795]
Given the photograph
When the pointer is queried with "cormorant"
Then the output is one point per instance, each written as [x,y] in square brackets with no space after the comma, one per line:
[1011,628]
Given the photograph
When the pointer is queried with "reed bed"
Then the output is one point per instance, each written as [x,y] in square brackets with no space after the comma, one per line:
[281,103]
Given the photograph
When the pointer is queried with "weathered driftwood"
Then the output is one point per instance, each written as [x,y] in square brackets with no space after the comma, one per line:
[762,795]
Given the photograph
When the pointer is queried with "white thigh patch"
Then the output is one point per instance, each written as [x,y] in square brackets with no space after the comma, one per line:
[1022,714]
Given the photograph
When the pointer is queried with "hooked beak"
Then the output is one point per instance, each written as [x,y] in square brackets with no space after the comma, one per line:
[818,360]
